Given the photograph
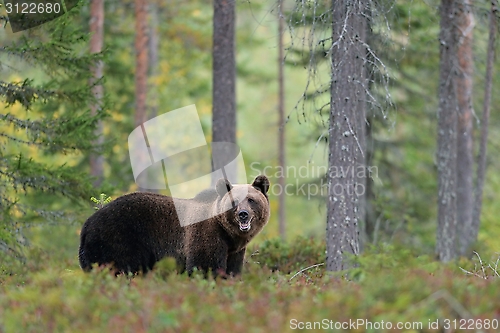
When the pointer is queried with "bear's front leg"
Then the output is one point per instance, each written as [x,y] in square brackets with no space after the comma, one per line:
[235,262]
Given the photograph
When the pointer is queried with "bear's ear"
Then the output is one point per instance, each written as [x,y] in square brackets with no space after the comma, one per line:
[261,183]
[223,186]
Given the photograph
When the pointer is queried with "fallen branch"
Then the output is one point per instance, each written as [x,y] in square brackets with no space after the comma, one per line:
[305,269]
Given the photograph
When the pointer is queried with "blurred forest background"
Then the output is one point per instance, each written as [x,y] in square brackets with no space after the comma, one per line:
[63,83]
[47,138]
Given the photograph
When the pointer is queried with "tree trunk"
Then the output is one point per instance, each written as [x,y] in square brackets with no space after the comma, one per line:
[481,164]
[346,136]
[153,57]
[96,41]
[141,60]
[366,211]
[447,136]
[281,123]
[465,160]
[224,83]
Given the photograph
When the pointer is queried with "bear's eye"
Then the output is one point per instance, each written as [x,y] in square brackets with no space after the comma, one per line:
[250,200]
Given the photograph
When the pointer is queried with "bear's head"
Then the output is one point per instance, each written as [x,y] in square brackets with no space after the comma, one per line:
[245,207]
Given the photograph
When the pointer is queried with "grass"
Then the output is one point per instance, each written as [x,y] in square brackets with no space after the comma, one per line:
[284,287]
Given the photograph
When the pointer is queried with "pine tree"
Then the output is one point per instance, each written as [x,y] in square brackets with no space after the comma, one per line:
[224,85]
[347,130]
[43,120]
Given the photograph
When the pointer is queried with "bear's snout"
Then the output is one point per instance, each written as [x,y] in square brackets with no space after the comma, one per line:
[244,220]
[243,215]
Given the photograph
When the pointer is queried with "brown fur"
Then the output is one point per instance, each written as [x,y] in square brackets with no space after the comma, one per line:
[136,230]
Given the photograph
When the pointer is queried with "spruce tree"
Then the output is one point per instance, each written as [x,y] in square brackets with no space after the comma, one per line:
[46,127]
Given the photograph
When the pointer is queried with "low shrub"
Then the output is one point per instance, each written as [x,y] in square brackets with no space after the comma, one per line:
[279,255]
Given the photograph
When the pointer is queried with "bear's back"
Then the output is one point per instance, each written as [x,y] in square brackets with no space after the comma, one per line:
[132,230]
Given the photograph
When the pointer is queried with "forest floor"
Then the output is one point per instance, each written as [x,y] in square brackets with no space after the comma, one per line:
[284,287]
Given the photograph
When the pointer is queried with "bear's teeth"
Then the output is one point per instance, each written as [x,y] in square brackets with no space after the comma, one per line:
[244,226]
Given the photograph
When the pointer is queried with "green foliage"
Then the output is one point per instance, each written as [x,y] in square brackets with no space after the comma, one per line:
[390,284]
[279,255]
[165,267]
[391,257]
[103,200]
[47,132]
[44,119]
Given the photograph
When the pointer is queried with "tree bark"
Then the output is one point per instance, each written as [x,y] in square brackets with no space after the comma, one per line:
[96,27]
[141,60]
[224,81]
[481,164]
[465,160]
[224,72]
[154,45]
[346,136]
[447,136]
[281,124]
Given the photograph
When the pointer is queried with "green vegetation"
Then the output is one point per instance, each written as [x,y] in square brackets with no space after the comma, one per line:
[103,200]
[390,284]
[396,279]
[46,127]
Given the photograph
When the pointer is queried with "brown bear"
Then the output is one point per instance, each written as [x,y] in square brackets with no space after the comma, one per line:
[138,229]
